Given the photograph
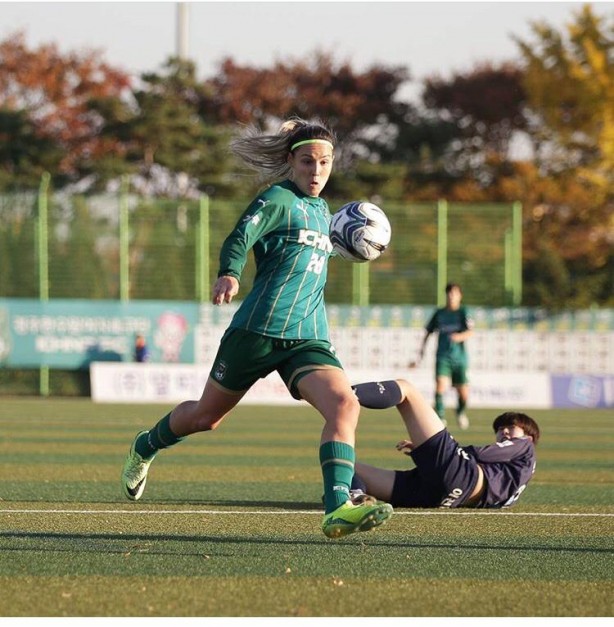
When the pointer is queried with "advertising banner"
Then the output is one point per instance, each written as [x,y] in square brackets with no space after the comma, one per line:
[588,391]
[157,383]
[70,334]
[171,384]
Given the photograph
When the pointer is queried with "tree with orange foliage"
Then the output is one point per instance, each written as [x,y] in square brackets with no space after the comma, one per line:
[47,94]
[352,102]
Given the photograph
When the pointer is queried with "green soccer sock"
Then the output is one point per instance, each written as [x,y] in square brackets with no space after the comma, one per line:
[439,408]
[337,462]
[157,438]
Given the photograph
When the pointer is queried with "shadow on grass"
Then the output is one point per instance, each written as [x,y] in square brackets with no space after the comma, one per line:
[284,505]
[100,543]
[262,504]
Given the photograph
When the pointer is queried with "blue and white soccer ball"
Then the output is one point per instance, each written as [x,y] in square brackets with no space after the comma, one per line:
[360,231]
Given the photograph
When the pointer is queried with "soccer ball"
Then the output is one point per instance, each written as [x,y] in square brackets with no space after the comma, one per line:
[360,231]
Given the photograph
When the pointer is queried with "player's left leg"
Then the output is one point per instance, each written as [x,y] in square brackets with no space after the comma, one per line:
[377,482]
[442,383]
[461,382]
[461,416]
[329,391]
[443,377]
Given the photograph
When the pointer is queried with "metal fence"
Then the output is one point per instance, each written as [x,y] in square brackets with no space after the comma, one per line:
[126,247]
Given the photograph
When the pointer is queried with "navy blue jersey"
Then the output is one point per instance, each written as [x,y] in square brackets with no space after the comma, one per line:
[446,473]
[508,466]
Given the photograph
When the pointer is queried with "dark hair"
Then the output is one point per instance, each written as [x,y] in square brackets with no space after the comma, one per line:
[512,418]
[451,286]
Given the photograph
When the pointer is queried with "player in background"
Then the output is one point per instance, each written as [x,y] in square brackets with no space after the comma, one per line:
[141,352]
[281,324]
[454,327]
[446,474]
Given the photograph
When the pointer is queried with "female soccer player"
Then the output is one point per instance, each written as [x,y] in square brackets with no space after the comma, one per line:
[281,324]
[446,474]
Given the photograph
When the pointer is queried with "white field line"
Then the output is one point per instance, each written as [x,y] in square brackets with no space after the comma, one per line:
[216,512]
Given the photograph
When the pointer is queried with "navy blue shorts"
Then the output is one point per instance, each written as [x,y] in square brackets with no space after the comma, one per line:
[445,475]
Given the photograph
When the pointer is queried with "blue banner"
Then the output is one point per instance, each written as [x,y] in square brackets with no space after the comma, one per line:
[589,391]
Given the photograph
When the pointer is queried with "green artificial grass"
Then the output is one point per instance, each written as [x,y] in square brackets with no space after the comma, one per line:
[230,522]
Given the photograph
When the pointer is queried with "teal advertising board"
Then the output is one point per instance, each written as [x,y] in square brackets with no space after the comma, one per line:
[70,334]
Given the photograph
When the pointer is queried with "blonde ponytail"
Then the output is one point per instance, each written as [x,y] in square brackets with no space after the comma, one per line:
[268,154]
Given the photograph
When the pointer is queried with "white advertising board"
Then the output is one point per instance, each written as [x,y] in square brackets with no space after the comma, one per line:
[117,382]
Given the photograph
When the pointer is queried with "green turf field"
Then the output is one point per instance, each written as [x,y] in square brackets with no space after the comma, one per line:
[230,522]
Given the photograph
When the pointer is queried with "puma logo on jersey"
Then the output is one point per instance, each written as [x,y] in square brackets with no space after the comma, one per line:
[315,239]
[253,219]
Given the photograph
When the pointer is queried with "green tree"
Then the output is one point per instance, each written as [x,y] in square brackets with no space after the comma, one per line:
[569,80]
[486,109]
[169,147]
[567,237]
[24,153]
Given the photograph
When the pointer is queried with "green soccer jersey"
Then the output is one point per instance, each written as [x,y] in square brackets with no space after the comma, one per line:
[448,321]
[288,232]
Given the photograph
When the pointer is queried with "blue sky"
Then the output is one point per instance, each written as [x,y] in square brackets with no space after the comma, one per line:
[425,37]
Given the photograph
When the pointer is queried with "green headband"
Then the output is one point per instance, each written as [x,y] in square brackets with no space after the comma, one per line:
[311,141]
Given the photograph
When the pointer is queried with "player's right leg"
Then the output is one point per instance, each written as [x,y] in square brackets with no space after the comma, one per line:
[134,472]
[421,420]
[232,374]
[187,418]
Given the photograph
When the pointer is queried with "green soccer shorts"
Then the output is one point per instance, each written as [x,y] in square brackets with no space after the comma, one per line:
[244,357]
[455,369]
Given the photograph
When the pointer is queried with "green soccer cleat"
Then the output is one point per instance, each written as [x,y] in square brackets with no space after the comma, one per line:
[134,473]
[359,515]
